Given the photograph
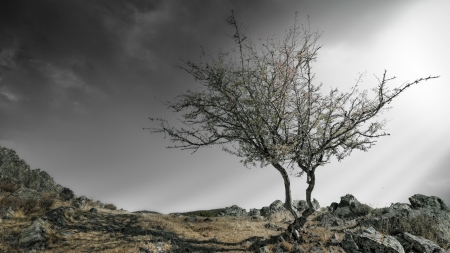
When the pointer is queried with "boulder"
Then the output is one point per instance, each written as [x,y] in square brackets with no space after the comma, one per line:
[301,205]
[25,193]
[371,240]
[329,220]
[58,216]
[348,200]
[349,244]
[34,237]
[333,206]
[343,212]
[80,202]
[254,212]
[421,201]
[420,244]
[316,204]
[6,212]
[234,210]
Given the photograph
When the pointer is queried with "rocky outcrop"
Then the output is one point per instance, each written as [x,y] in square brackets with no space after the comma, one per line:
[233,210]
[17,171]
[370,240]
[25,193]
[427,214]
[421,201]
[34,237]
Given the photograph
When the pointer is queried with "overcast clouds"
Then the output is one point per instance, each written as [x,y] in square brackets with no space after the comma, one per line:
[78,81]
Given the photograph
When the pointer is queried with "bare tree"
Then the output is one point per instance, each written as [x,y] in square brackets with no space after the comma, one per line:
[260,103]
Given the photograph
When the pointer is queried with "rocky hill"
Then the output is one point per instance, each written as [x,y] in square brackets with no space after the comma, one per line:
[17,171]
[38,215]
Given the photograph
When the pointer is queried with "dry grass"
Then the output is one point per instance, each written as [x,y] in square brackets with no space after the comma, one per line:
[121,231]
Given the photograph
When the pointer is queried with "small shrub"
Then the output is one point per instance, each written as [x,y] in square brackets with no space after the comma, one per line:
[46,203]
[379,211]
[420,225]
[361,209]
[203,214]
[110,207]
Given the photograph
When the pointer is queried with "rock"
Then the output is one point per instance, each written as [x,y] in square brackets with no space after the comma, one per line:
[265,211]
[264,249]
[333,206]
[316,204]
[17,171]
[421,244]
[67,194]
[370,240]
[347,200]
[25,193]
[254,212]
[234,211]
[93,210]
[302,205]
[6,212]
[421,201]
[343,212]
[80,202]
[329,220]
[58,216]
[34,237]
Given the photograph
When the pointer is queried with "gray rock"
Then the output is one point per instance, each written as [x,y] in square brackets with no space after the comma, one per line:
[80,202]
[302,205]
[348,200]
[277,206]
[421,201]
[329,220]
[25,193]
[58,216]
[264,249]
[235,210]
[265,211]
[34,236]
[333,206]
[316,204]
[343,212]
[254,212]
[370,240]
[6,212]
[421,244]
[93,210]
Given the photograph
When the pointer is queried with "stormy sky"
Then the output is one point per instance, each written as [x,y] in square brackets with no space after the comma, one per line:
[79,80]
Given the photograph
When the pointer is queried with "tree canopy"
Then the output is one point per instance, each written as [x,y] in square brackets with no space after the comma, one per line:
[262,104]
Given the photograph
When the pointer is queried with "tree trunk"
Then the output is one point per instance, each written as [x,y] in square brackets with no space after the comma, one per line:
[287,189]
[311,182]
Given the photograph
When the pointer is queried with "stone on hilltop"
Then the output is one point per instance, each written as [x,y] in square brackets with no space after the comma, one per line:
[234,210]
[422,201]
[348,200]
